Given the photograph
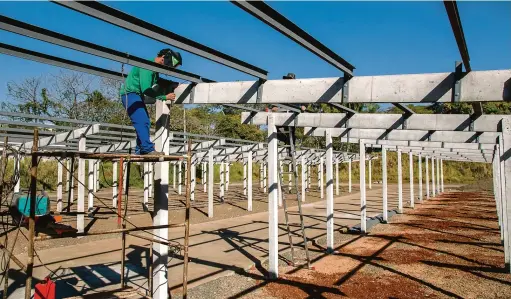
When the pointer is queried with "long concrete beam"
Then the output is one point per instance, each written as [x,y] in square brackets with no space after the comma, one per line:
[62,137]
[435,122]
[405,135]
[476,86]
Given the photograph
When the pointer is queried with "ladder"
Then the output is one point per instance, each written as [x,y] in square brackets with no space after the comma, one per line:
[288,137]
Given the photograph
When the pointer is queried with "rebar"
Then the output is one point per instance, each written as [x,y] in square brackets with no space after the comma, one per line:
[187,219]
[31,220]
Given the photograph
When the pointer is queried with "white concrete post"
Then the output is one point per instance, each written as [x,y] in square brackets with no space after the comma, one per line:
[337,177]
[146,183]
[227,175]
[211,173]
[151,178]
[265,177]
[261,175]
[349,175]
[427,177]
[193,180]
[319,177]
[362,157]
[433,189]
[279,186]
[438,176]
[125,177]
[441,175]
[497,191]
[59,185]
[96,173]
[370,183]
[273,211]
[70,180]
[179,177]
[384,182]
[161,203]
[93,172]
[244,177]
[290,177]
[91,185]
[18,182]
[329,192]
[249,181]
[80,209]
[204,177]
[309,177]
[303,178]
[504,168]
[174,176]
[410,166]
[399,182]
[222,180]
[420,178]
[321,183]
[114,184]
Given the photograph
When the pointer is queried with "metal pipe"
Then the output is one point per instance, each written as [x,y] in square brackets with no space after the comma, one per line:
[119,193]
[31,220]
[114,156]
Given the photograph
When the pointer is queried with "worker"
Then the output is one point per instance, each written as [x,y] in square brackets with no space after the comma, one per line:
[139,85]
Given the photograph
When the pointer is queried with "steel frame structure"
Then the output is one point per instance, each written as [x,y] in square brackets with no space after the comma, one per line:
[475,137]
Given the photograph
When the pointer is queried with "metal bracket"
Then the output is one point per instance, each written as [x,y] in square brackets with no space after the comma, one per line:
[346,88]
[259,97]
[458,74]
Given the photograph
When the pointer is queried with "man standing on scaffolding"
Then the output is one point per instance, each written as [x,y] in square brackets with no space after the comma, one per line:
[140,84]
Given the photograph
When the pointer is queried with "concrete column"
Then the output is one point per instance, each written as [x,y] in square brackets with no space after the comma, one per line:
[399,182]
[227,175]
[273,201]
[98,178]
[265,178]
[161,203]
[370,183]
[420,178]
[329,192]
[174,176]
[204,177]
[249,181]
[18,182]
[309,177]
[427,177]
[125,177]
[94,172]
[211,172]
[363,210]
[438,176]
[114,184]
[179,177]
[337,177]
[151,178]
[91,185]
[384,182]
[193,180]
[290,177]
[279,182]
[321,183]
[245,177]
[442,175]
[303,178]
[222,180]
[80,217]
[433,189]
[319,173]
[146,183]
[410,166]
[261,175]
[59,185]
[497,191]
[504,168]
[349,175]
[70,180]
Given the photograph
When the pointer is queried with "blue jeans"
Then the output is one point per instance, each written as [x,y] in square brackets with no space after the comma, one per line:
[140,119]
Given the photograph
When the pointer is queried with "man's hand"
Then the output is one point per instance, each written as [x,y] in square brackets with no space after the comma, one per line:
[171,96]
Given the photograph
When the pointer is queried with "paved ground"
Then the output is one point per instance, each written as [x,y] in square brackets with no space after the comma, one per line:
[217,248]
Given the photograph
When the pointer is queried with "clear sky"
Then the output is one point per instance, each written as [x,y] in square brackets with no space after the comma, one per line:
[376,37]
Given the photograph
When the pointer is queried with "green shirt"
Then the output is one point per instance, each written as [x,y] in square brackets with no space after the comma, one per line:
[141,81]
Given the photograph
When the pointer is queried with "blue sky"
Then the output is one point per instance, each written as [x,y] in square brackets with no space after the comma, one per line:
[376,37]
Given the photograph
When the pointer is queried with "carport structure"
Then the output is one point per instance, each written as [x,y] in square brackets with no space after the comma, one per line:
[475,137]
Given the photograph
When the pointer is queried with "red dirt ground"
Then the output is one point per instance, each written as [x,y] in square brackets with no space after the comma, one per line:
[446,247]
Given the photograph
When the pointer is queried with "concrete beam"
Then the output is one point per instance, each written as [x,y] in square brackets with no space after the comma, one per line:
[476,86]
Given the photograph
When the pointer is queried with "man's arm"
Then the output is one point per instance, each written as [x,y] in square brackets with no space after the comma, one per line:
[146,85]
